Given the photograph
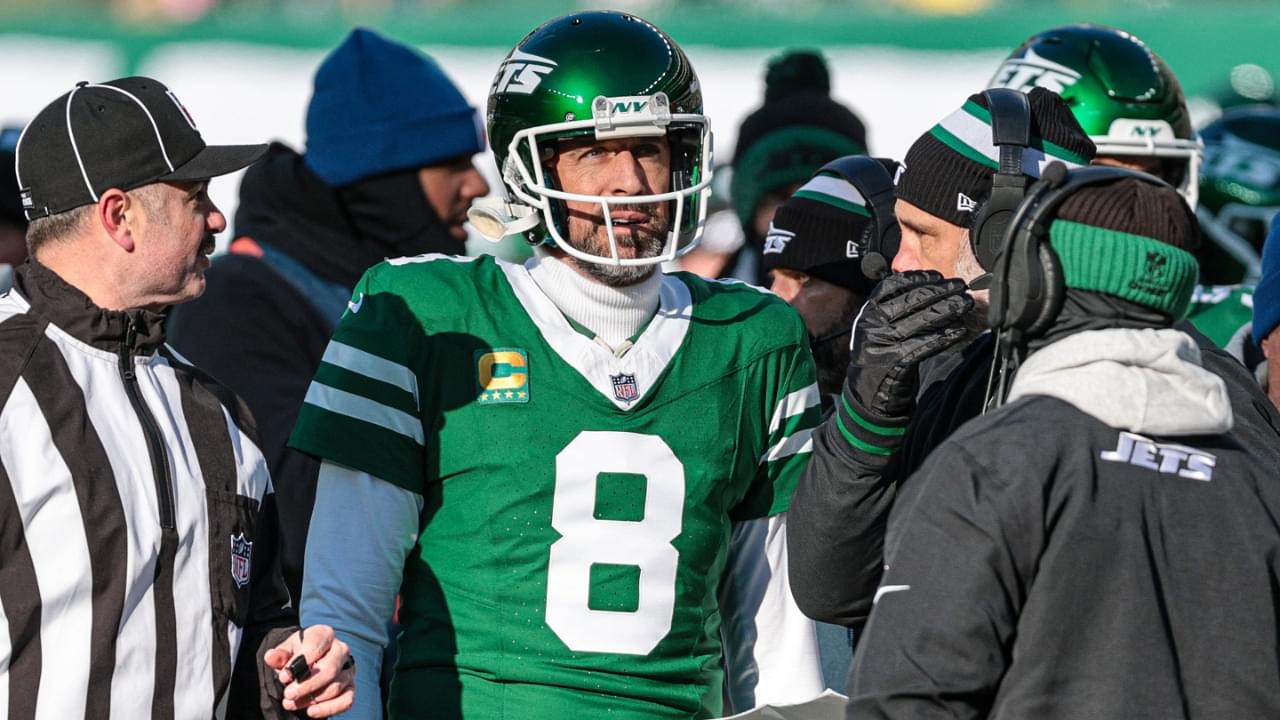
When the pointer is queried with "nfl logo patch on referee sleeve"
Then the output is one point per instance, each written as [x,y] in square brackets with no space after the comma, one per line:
[241,551]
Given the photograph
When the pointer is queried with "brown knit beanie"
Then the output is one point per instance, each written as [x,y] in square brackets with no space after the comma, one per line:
[1129,239]
[948,170]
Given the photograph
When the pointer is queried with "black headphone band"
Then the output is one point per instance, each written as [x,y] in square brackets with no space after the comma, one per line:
[872,180]
[1011,134]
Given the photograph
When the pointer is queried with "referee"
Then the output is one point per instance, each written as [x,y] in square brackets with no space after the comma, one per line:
[138,572]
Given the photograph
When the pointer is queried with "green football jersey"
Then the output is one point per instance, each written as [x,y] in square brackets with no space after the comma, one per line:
[1219,311]
[577,503]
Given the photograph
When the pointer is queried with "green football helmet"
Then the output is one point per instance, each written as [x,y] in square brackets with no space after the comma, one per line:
[1239,192]
[1121,92]
[607,74]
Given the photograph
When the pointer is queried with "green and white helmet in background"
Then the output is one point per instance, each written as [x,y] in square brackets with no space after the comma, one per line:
[1239,192]
[1123,95]
[607,74]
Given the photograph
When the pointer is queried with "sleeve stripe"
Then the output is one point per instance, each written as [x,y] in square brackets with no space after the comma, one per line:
[362,408]
[794,404]
[371,366]
[868,425]
[857,442]
[801,442]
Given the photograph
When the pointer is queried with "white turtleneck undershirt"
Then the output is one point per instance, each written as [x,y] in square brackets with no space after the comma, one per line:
[614,314]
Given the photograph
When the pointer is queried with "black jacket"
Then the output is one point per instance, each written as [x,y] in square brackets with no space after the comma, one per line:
[1044,564]
[840,510]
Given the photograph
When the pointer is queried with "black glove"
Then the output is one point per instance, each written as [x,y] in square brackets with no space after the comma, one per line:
[908,317]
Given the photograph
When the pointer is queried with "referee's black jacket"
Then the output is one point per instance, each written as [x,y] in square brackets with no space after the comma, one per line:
[137,540]
[1105,546]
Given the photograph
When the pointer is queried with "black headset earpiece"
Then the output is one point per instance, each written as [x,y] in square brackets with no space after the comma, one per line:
[1028,288]
[1011,134]
[874,182]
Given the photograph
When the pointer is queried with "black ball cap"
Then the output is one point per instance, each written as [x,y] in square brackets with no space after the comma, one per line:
[122,134]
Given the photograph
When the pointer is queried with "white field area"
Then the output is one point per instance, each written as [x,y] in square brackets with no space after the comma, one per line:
[243,93]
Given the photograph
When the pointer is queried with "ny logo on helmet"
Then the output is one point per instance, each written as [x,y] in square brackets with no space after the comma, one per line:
[634,106]
[1031,70]
[521,73]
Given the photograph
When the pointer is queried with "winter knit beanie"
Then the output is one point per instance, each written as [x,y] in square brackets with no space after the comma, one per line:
[1131,240]
[797,130]
[1266,297]
[380,106]
[820,229]
[948,170]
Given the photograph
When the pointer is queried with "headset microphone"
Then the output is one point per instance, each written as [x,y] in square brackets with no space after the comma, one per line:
[874,265]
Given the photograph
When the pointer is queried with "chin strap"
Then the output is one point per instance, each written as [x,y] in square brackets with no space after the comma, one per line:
[495,218]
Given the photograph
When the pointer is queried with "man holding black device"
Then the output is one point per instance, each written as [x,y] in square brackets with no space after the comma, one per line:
[138,572]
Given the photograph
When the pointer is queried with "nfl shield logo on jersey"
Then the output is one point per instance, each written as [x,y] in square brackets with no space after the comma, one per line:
[624,387]
[241,550]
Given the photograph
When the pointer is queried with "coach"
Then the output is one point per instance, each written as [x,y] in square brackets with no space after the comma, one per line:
[138,573]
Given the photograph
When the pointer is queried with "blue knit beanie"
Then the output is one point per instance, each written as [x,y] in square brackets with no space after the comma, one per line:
[380,106]
[1266,298]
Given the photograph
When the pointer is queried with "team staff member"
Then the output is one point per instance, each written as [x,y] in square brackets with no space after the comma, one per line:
[138,573]
[918,371]
[1064,556]
[559,466]
[813,254]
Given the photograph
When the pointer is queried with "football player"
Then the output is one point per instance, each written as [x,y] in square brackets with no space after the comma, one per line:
[1132,106]
[558,467]
[1240,195]
[1120,91]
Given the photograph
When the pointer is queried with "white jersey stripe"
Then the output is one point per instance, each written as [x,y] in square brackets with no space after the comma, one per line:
[371,366]
[794,404]
[801,442]
[362,408]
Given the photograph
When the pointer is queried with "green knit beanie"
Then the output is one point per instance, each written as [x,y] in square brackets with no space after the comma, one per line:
[1131,240]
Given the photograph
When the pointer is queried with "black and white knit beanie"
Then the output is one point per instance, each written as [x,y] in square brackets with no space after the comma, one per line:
[948,170]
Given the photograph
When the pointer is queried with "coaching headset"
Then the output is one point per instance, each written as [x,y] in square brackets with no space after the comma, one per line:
[1011,134]
[873,181]
[1027,287]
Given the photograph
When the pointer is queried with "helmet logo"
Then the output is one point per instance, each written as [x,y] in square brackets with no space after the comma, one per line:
[1141,129]
[1031,70]
[631,116]
[521,73]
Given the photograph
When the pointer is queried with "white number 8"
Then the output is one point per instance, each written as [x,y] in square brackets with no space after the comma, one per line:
[586,540]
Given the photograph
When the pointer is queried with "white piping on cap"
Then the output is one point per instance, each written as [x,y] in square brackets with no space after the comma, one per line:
[163,151]
[71,134]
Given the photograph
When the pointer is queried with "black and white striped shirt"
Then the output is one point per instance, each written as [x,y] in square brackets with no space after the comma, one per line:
[136,542]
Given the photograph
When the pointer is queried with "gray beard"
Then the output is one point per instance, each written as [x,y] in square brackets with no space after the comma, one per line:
[618,275]
[969,269]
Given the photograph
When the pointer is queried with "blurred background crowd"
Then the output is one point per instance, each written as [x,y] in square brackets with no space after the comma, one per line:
[243,65]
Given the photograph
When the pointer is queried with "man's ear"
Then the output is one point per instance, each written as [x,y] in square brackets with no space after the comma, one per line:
[1271,346]
[115,212]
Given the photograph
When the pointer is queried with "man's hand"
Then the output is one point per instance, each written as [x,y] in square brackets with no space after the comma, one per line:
[909,317]
[330,687]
